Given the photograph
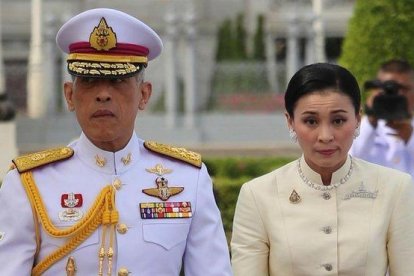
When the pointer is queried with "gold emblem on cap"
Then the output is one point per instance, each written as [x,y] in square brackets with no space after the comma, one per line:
[102,37]
[294,197]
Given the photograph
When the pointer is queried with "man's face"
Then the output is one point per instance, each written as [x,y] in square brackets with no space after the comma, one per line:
[406,80]
[106,108]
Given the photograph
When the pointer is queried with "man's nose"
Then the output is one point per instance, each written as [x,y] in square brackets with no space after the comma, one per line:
[104,94]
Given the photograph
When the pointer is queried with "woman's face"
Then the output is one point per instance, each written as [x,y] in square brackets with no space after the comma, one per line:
[325,122]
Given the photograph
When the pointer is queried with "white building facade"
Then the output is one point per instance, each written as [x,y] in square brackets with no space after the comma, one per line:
[297,33]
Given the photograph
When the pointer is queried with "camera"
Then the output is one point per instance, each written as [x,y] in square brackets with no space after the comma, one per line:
[388,104]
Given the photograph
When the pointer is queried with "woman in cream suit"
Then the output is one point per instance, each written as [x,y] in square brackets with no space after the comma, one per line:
[326,213]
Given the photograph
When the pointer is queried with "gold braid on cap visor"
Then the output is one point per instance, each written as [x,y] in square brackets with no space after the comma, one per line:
[104,65]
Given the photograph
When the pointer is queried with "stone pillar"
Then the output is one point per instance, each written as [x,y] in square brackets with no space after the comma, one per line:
[35,83]
[292,55]
[310,51]
[8,147]
[319,32]
[170,50]
[50,95]
[190,78]
[64,74]
[271,64]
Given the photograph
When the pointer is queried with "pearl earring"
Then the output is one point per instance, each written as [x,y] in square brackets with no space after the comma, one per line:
[356,132]
[292,135]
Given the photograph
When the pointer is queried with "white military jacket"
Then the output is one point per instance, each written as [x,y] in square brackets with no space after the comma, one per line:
[379,145]
[151,236]
[362,227]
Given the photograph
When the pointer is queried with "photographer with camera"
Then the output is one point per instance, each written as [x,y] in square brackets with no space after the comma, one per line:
[387,127]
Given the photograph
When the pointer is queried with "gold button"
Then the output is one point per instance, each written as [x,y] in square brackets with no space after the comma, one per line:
[123,272]
[117,184]
[121,228]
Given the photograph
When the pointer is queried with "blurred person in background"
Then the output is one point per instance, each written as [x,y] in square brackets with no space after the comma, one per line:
[386,129]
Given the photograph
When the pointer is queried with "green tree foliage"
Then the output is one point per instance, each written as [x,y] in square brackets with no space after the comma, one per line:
[379,30]
[230,173]
[232,40]
[240,39]
[259,40]
[226,49]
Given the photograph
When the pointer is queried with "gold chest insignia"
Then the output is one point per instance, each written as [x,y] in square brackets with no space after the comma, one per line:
[162,191]
[126,160]
[159,170]
[100,161]
[102,37]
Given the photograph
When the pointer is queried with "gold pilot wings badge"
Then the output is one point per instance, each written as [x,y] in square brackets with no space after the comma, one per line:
[162,191]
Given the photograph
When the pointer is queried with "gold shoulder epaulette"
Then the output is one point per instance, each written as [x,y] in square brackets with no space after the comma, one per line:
[182,154]
[41,158]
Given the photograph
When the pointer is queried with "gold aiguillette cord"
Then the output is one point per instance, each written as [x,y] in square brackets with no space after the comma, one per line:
[110,219]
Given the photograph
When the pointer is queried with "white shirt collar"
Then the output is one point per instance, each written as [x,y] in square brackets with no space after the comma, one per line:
[106,161]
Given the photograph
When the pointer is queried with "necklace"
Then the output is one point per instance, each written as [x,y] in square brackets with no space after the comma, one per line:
[322,187]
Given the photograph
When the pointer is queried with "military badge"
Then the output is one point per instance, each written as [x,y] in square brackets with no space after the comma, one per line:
[100,161]
[71,201]
[126,160]
[162,210]
[162,191]
[159,170]
[102,37]
[361,193]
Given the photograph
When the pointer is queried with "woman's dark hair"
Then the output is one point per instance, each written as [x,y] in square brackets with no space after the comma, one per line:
[319,77]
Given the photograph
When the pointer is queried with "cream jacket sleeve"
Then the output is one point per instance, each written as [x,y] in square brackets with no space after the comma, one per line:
[400,236]
[250,244]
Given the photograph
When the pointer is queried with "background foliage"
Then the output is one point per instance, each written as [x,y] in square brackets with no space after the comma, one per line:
[379,30]
[240,74]
[229,174]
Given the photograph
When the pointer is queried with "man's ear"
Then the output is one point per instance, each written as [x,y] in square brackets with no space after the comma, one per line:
[68,91]
[146,91]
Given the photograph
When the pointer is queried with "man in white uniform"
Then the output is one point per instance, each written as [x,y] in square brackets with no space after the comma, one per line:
[110,203]
[389,143]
